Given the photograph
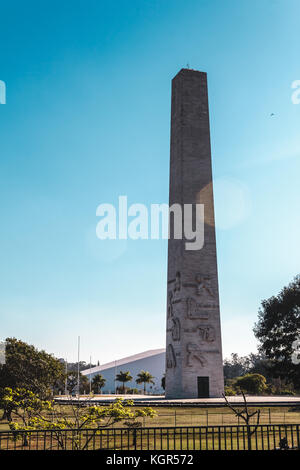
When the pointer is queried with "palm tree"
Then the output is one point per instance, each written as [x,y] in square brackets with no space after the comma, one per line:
[145,378]
[97,383]
[124,377]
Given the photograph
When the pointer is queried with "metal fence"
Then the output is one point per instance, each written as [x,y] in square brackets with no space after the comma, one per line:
[262,437]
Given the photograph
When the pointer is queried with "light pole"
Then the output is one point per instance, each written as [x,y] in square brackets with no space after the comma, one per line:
[78,369]
[90,375]
[66,381]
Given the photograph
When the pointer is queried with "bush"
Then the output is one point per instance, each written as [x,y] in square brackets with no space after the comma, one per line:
[128,391]
[133,391]
[279,386]
[229,391]
[251,383]
[286,391]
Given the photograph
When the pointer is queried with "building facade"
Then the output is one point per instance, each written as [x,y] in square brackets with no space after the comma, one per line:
[152,361]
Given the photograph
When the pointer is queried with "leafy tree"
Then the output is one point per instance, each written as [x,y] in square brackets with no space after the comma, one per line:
[260,364]
[236,366]
[72,383]
[73,366]
[52,416]
[145,378]
[278,386]
[277,328]
[123,377]
[28,368]
[98,382]
[84,384]
[251,383]
[22,403]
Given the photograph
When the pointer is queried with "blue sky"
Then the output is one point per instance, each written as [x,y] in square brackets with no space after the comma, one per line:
[88,119]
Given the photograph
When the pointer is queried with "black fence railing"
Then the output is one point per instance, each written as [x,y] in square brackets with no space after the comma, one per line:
[262,437]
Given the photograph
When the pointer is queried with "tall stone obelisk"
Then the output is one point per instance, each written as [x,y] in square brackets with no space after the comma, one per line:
[193,349]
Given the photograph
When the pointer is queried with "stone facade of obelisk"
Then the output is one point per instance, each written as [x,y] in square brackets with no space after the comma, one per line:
[193,348]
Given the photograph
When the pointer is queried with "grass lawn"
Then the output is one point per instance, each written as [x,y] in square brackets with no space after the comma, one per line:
[148,437]
[184,416]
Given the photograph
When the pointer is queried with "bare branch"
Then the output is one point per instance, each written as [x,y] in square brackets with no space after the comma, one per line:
[237,413]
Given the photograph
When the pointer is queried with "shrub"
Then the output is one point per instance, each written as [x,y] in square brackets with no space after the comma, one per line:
[251,383]
[229,391]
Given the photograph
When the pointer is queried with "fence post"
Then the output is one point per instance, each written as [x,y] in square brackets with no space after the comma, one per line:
[175,418]
[206,417]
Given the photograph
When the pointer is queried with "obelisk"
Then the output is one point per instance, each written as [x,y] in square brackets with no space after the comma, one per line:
[194,366]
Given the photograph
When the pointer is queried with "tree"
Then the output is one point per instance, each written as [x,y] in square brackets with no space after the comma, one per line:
[251,383]
[279,386]
[21,406]
[29,413]
[98,382]
[123,377]
[235,366]
[28,368]
[72,383]
[84,382]
[278,327]
[246,416]
[73,366]
[238,366]
[145,378]
[260,364]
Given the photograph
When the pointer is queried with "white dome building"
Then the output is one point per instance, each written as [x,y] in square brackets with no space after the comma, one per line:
[152,361]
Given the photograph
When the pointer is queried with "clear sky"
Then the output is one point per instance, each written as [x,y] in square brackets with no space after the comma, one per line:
[88,119]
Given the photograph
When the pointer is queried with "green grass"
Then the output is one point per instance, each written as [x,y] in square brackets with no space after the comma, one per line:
[206,438]
[179,416]
[217,416]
